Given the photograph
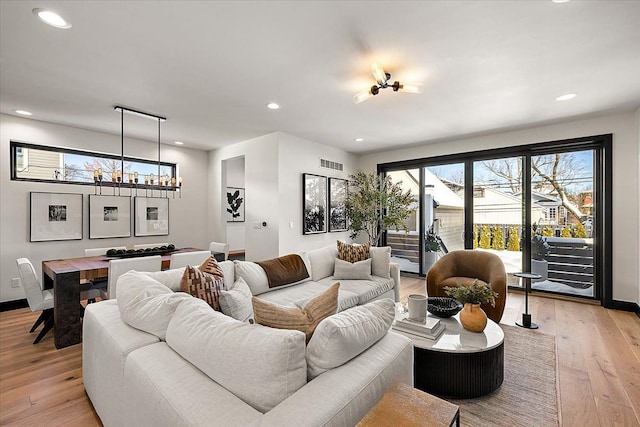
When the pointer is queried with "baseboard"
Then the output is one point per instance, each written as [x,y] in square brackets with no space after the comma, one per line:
[625,306]
[13,305]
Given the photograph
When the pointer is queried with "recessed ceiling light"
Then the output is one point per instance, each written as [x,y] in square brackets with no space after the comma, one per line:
[358,139]
[560,1]
[23,112]
[51,18]
[273,106]
[178,142]
[566,97]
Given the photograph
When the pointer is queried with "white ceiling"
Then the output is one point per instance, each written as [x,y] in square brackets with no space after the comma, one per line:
[211,67]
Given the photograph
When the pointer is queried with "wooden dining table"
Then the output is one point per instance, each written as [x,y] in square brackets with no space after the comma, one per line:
[67,277]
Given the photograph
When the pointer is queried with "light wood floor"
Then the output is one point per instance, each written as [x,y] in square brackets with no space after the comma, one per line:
[598,365]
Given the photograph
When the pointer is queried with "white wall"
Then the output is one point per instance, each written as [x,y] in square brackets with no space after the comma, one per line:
[236,235]
[274,165]
[186,219]
[638,200]
[626,193]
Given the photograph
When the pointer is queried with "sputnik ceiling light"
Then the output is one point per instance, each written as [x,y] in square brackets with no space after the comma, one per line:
[383,82]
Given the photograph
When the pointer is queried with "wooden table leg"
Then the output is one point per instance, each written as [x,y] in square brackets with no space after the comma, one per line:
[67,308]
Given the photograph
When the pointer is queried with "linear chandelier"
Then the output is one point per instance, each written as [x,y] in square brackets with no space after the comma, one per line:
[164,182]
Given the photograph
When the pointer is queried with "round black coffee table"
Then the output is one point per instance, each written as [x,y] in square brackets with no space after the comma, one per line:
[459,364]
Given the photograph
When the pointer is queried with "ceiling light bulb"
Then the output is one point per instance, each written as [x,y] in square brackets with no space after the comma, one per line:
[560,1]
[378,73]
[410,87]
[51,18]
[358,139]
[178,142]
[362,96]
[566,97]
[23,112]
[273,106]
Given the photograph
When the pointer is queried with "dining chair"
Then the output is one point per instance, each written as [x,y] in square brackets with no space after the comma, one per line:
[101,251]
[150,245]
[41,299]
[117,267]
[220,247]
[188,258]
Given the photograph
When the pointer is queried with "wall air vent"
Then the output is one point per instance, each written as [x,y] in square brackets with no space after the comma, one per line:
[328,164]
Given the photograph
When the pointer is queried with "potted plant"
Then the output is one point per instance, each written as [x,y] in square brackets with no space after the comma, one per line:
[472,317]
[431,247]
[539,251]
[375,204]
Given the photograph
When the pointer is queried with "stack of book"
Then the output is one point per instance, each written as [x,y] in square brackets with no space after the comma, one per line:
[430,329]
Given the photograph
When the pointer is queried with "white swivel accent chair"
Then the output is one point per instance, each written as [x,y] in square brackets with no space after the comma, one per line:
[220,247]
[150,245]
[101,251]
[117,267]
[188,258]
[40,299]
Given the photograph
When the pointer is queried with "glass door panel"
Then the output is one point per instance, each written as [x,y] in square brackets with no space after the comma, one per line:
[562,250]
[497,211]
[405,247]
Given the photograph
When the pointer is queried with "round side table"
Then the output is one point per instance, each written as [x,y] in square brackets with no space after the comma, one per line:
[526,317]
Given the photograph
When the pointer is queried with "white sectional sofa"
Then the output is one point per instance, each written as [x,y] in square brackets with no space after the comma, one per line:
[184,364]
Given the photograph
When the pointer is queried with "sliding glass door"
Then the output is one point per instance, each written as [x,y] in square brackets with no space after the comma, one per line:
[540,207]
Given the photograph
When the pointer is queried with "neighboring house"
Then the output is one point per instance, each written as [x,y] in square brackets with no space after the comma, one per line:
[39,164]
[491,206]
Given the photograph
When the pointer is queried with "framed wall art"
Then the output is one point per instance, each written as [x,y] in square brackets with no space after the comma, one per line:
[151,216]
[55,216]
[235,204]
[337,204]
[314,210]
[109,216]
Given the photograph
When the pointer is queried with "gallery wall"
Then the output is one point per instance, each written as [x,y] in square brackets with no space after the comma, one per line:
[626,194]
[187,216]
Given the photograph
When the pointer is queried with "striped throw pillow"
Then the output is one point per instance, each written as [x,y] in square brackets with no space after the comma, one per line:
[202,285]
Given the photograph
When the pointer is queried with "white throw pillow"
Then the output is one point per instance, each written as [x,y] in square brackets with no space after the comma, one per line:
[380,260]
[236,302]
[321,261]
[146,304]
[260,365]
[253,275]
[345,270]
[343,336]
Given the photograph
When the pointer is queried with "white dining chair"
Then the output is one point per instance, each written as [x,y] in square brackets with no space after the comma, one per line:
[150,245]
[188,258]
[220,247]
[101,251]
[42,299]
[117,267]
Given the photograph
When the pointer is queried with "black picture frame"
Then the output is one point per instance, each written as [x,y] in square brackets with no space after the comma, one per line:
[235,202]
[314,204]
[55,216]
[338,191]
[109,216]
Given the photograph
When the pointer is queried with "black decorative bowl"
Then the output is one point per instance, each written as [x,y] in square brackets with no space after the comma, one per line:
[443,306]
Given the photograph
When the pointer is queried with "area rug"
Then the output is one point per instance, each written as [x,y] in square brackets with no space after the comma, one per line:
[528,395]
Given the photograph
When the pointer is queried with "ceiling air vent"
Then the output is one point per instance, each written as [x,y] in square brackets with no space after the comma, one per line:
[328,164]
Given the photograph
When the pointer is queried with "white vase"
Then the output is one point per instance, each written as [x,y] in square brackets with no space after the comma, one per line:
[429,259]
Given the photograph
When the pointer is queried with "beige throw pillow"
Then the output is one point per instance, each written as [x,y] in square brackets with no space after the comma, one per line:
[353,253]
[277,316]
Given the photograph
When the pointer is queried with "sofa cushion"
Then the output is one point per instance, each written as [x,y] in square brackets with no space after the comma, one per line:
[304,320]
[236,302]
[365,289]
[171,278]
[380,260]
[202,285]
[261,366]
[360,270]
[253,275]
[146,304]
[300,294]
[353,252]
[284,270]
[322,262]
[343,336]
